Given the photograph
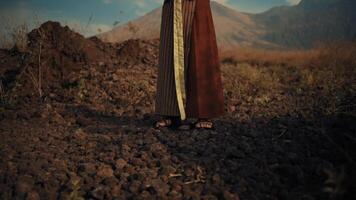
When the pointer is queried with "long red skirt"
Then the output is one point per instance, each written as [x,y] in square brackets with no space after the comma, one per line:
[202,67]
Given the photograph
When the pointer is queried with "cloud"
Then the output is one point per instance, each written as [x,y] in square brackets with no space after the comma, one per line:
[293,2]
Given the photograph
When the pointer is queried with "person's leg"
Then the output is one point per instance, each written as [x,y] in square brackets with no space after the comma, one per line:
[166,99]
[205,99]
[166,105]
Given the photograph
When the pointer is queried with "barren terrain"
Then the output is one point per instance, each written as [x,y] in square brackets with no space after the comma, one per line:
[76,120]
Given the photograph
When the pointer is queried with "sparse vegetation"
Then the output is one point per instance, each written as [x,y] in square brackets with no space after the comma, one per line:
[311,83]
[290,119]
[132,28]
[2,93]
[14,35]
[263,57]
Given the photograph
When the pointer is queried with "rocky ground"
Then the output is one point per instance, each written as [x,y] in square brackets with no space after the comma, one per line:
[87,132]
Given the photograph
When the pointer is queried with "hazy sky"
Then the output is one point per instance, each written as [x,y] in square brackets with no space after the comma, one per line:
[102,14]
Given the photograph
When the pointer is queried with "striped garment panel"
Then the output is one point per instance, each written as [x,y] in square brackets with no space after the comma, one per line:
[166,98]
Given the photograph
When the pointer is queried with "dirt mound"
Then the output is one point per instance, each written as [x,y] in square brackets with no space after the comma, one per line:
[54,56]
[138,52]
[63,43]
[58,60]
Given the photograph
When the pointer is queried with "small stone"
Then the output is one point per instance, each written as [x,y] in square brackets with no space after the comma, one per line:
[88,168]
[115,77]
[107,157]
[105,171]
[176,187]
[216,178]
[79,134]
[137,162]
[167,170]
[111,181]
[161,188]
[102,64]
[33,195]
[190,194]
[98,192]
[175,195]
[230,196]
[144,156]
[125,147]
[130,169]
[145,195]
[120,163]
[56,118]
[116,191]
[209,197]
[135,186]
[24,184]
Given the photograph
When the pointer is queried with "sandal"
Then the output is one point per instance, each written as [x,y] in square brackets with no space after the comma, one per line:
[167,122]
[204,124]
[163,123]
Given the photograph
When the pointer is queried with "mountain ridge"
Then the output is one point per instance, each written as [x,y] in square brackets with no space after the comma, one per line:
[299,26]
[309,23]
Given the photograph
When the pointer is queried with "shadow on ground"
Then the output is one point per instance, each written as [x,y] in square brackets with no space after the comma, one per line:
[79,152]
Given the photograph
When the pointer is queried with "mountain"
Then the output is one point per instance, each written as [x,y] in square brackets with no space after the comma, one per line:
[233,28]
[145,27]
[309,23]
[300,26]
[313,4]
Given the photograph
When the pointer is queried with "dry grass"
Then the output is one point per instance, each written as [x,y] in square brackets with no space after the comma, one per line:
[263,57]
[336,53]
[310,84]
[257,83]
[13,34]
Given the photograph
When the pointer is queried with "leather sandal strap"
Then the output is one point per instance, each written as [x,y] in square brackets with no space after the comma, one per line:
[164,123]
[204,124]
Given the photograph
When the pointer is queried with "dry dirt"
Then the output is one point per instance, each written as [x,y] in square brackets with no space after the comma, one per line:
[88,133]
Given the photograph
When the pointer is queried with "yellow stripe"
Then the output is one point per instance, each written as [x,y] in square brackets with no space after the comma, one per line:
[179,56]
